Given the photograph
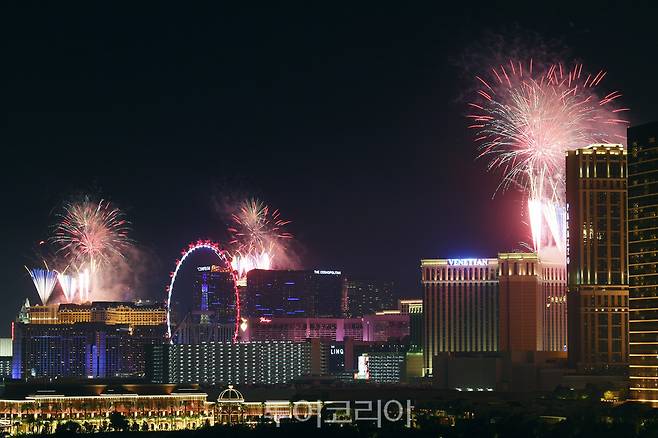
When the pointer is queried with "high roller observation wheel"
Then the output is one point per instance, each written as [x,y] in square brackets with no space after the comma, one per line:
[224,257]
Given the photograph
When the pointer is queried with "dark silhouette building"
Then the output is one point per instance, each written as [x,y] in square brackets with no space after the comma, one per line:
[365,297]
[82,349]
[643,262]
[271,293]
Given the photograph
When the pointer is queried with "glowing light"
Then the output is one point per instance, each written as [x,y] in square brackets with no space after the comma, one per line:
[44,282]
[69,286]
[534,211]
[224,257]
[467,262]
[84,285]
[257,236]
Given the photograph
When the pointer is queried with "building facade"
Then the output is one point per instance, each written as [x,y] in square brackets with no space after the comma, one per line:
[371,328]
[414,308]
[244,363]
[138,313]
[90,350]
[271,293]
[460,306]
[516,302]
[96,340]
[386,327]
[300,329]
[643,262]
[532,310]
[145,407]
[6,353]
[214,295]
[381,367]
[364,297]
[520,307]
[596,258]
[553,299]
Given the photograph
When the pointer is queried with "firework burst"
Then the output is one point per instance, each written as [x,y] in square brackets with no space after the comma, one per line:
[257,236]
[44,282]
[90,235]
[526,119]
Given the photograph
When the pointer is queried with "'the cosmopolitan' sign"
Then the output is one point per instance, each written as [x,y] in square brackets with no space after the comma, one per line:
[467,262]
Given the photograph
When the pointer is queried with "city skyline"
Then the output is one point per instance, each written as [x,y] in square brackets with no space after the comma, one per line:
[216,212]
[341,133]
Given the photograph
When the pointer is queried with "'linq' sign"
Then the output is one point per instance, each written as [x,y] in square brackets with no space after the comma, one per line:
[467,262]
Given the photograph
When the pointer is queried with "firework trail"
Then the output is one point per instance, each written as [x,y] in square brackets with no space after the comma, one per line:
[44,282]
[526,119]
[84,285]
[90,235]
[69,286]
[257,236]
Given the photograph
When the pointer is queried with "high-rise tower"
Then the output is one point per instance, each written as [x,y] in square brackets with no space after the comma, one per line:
[643,262]
[596,258]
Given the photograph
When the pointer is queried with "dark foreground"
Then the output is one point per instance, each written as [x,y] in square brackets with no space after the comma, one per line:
[629,421]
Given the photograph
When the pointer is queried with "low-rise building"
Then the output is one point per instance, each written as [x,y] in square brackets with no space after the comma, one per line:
[40,409]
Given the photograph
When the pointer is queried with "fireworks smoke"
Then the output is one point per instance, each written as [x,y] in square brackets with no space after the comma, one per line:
[526,118]
[258,236]
[44,282]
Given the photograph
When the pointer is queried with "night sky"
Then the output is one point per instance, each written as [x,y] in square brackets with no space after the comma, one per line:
[350,120]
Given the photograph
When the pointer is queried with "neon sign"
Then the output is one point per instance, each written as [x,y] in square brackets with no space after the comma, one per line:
[264,320]
[211,268]
[327,272]
[467,262]
[336,350]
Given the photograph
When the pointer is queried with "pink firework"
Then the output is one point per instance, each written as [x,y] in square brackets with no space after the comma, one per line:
[257,235]
[526,119]
[91,234]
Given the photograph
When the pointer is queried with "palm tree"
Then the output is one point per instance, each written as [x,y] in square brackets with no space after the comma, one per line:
[83,407]
[30,421]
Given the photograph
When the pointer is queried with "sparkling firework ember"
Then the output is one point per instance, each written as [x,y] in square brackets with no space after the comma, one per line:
[256,237]
[90,235]
[44,281]
[527,119]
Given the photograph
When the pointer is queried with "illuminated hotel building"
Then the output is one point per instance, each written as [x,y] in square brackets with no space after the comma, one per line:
[553,302]
[532,306]
[460,306]
[515,302]
[643,262]
[230,363]
[81,350]
[596,258]
[214,295]
[99,339]
[140,313]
